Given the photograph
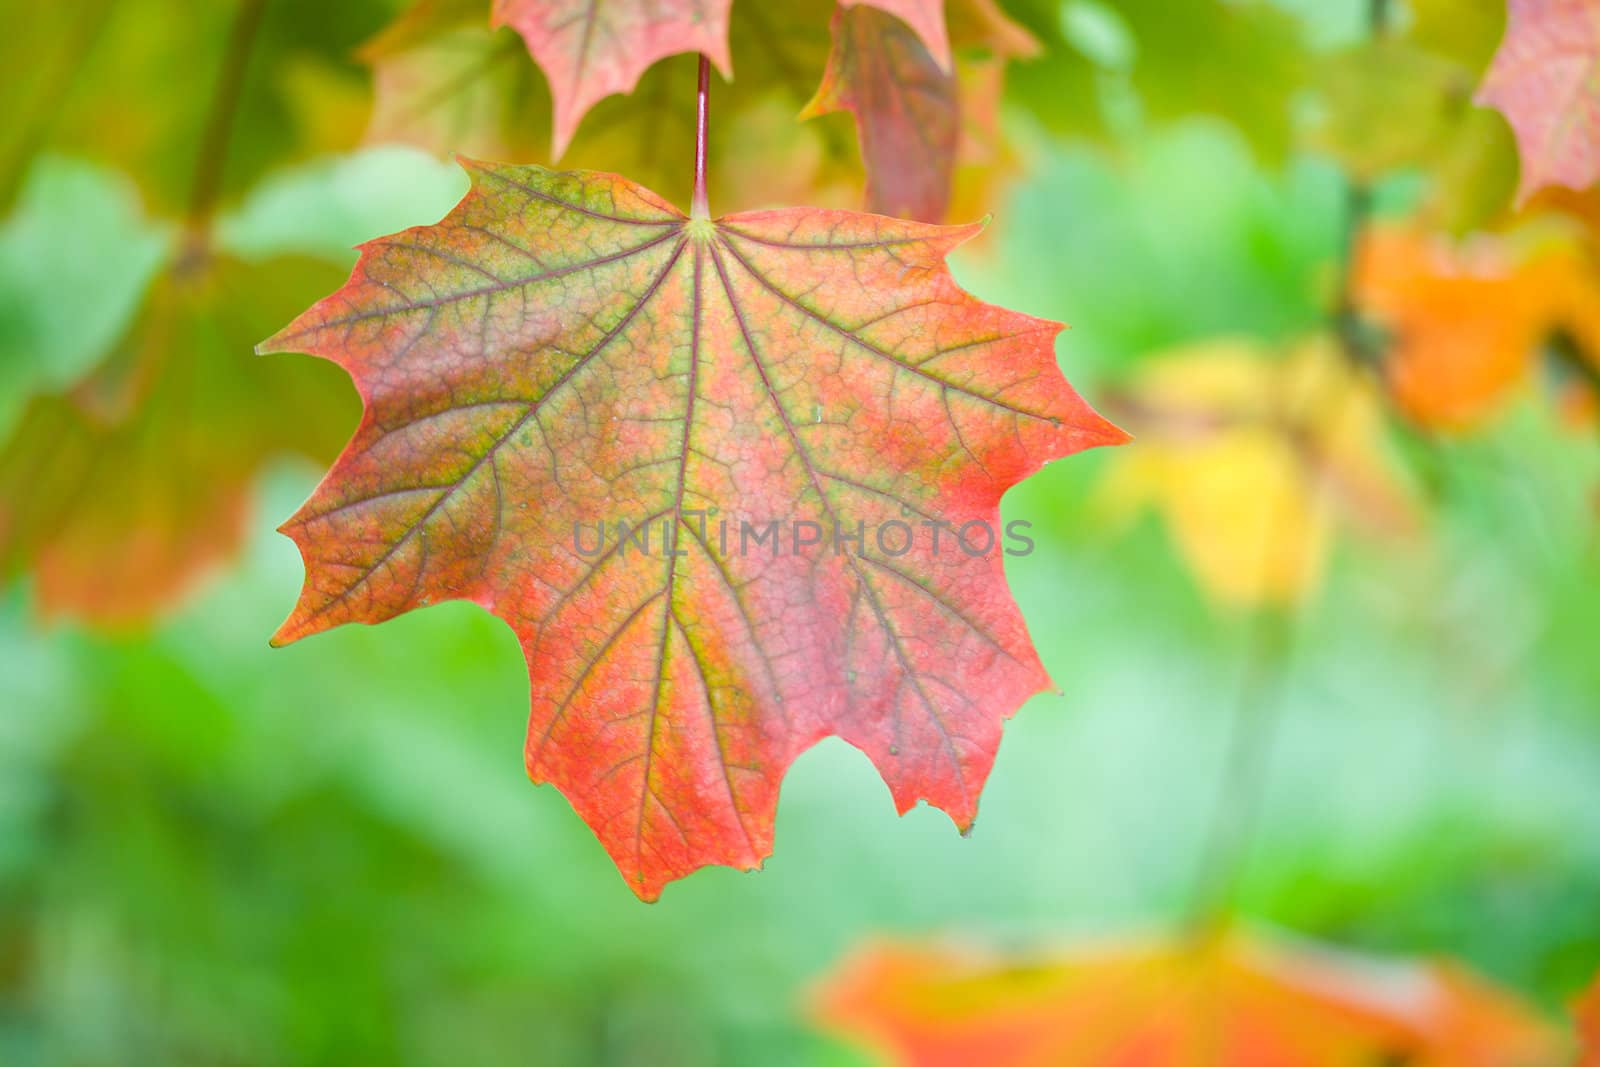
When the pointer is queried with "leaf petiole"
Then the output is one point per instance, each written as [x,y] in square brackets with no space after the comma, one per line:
[700,206]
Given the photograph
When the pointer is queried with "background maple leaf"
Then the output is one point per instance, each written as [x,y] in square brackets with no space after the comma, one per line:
[1469,324]
[590,49]
[1546,79]
[148,461]
[130,82]
[906,105]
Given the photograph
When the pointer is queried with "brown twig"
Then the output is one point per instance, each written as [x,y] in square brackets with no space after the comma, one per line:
[211,158]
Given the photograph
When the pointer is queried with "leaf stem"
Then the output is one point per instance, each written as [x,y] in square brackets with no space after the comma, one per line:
[1356,338]
[1260,706]
[1378,17]
[1251,734]
[700,206]
[213,152]
[1568,355]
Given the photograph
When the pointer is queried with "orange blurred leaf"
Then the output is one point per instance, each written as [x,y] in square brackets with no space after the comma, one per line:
[1227,999]
[1466,322]
[1587,1011]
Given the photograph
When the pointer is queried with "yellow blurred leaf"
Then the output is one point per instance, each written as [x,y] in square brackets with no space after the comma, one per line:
[1254,461]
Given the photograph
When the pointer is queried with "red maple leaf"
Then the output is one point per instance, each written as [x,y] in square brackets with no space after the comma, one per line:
[926,17]
[907,109]
[800,409]
[590,49]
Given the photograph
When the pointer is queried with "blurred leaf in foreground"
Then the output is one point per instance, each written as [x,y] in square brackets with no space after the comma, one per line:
[1587,1010]
[1255,460]
[1214,1000]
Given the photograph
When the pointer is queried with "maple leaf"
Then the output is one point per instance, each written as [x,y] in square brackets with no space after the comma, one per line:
[1256,462]
[1467,321]
[906,106]
[917,116]
[590,49]
[1227,999]
[119,494]
[925,17]
[565,350]
[1545,79]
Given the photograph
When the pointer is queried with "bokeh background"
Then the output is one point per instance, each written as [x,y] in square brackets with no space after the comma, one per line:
[212,852]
